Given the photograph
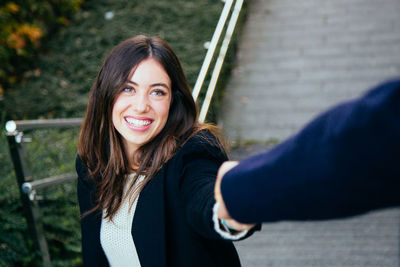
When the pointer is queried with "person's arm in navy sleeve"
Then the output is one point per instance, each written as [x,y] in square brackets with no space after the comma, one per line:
[344,162]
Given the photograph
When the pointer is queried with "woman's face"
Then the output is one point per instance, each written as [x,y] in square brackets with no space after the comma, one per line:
[141,109]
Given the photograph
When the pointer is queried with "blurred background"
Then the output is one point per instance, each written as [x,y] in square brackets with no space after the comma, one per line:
[287,61]
[50,53]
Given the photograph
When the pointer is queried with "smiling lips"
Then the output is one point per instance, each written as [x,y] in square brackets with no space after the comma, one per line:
[138,124]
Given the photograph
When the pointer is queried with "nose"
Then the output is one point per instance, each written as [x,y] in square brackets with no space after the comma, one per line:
[141,104]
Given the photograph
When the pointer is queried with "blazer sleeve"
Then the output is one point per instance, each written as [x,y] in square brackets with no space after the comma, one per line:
[92,253]
[343,163]
[201,160]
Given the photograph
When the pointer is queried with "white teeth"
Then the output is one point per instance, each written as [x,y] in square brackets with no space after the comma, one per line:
[137,123]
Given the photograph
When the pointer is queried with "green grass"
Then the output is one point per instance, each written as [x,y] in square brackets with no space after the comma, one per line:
[57,86]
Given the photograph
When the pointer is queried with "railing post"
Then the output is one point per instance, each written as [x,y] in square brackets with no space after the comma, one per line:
[30,205]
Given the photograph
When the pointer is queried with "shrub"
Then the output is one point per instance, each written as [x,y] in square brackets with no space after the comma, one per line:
[51,152]
[23,27]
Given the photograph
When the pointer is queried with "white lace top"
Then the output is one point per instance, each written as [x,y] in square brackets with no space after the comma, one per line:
[116,235]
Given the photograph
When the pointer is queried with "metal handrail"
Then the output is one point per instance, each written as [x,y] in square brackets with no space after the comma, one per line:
[15,132]
[16,128]
[220,60]
[211,49]
[222,53]
[13,127]
[29,187]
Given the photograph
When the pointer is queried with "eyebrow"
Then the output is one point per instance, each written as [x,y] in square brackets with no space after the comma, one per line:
[152,85]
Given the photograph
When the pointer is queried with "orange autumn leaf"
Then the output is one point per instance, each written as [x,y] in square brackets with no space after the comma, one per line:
[32,32]
[14,8]
[15,41]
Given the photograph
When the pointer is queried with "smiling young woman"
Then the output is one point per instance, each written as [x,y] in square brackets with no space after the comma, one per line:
[141,110]
[146,168]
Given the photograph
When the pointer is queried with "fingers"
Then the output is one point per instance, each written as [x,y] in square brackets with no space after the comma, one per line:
[222,211]
[224,168]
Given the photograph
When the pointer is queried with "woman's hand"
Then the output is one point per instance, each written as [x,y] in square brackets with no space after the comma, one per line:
[222,211]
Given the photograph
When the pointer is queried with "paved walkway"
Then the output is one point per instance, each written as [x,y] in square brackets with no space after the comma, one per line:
[296,59]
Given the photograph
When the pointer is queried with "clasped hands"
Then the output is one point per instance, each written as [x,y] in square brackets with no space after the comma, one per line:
[222,211]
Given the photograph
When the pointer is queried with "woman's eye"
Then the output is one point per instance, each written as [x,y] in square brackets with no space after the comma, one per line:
[158,92]
[128,90]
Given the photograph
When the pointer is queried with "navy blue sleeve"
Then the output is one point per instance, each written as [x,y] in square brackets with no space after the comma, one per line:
[344,162]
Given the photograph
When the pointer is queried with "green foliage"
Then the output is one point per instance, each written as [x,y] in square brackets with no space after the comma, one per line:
[23,27]
[51,152]
[13,232]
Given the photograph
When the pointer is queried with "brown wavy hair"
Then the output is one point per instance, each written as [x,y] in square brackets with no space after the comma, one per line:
[100,145]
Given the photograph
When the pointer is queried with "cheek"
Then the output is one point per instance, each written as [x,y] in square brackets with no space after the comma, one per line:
[163,110]
[118,107]
[114,116]
[120,104]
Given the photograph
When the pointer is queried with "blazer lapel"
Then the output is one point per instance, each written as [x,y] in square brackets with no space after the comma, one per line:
[148,227]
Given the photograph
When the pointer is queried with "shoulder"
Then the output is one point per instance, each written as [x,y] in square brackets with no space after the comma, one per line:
[80,167]
[83,173]
[203,143]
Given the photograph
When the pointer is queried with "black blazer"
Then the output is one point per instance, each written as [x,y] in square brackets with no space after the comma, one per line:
[173,224]
[344,162]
